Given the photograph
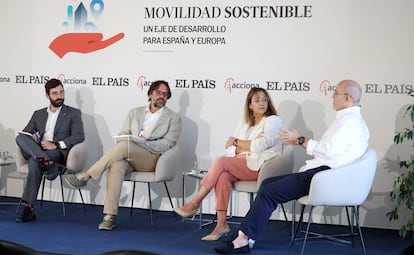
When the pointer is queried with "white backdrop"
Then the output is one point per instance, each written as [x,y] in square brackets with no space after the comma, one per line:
[299,52]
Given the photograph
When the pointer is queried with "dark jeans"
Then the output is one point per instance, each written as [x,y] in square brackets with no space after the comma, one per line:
[275,190]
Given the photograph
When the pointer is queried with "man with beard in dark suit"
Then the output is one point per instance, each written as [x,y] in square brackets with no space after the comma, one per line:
[45,142]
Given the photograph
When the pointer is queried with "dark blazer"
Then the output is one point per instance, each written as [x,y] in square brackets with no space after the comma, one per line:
[69,126]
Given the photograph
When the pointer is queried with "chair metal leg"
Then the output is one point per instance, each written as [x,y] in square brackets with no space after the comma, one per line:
[295,230]
[356,212]
[286,219]
[133,196]
[307,230]
[43,190]
[63,196]
[83,201]
[292,227]
[150,202]
[336,237]
[350,227]
[169,197]
[251,196]
[353,218]
[18,205]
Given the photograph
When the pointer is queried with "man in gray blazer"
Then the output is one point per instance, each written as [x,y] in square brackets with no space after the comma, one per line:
[153,129]
[45,142]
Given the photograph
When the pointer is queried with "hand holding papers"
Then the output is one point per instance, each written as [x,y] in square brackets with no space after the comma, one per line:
[135,139]
[35,136]
[128,138]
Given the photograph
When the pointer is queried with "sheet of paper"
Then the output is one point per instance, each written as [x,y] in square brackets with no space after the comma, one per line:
[133,138]
[25,133]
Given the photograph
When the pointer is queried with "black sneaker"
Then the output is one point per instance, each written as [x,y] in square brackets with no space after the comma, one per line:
[28,214]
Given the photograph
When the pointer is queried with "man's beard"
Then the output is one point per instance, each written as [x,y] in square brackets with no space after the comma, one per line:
[159,103]
[57,102]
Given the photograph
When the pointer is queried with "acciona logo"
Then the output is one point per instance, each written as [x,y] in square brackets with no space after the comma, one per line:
[231,84]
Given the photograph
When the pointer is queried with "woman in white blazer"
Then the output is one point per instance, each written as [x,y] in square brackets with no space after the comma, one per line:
[255,140]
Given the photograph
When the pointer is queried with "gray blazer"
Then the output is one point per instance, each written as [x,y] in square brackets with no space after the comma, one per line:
[165,133]
[69,126]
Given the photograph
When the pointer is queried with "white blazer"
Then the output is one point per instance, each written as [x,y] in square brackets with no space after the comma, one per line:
[265,141]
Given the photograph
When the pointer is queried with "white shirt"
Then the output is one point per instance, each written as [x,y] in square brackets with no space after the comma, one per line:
[345,140]
[150,119]
[50,124]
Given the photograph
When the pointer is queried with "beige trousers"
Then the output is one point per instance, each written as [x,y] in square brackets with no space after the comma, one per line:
[119,163]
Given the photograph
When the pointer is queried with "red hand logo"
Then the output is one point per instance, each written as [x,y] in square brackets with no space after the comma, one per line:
[81,42]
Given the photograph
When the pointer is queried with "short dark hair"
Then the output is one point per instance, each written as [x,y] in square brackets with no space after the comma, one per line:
[156,84]
[52,83]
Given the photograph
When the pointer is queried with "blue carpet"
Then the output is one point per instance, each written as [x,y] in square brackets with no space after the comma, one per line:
[77,233]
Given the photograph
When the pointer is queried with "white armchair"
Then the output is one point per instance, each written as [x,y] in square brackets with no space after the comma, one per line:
[75,162]
[165,170]
[276,166]
[346,186]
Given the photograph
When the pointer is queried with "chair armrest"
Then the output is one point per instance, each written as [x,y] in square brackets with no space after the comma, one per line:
[21,163]
[279,165]
[346,185]
[167,164]
[77,157]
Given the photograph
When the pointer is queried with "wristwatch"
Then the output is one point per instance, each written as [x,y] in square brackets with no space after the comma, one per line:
[301,140]
[57,145]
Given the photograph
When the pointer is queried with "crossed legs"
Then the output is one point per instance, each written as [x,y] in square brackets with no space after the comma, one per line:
[273,191]
[221,175]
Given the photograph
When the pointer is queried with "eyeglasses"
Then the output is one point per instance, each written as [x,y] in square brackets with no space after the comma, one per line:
[57,93]
[340,94]
[163,93]
[258,101]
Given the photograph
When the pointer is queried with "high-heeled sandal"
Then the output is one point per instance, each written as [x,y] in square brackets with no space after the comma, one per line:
[211,237]
[185,214]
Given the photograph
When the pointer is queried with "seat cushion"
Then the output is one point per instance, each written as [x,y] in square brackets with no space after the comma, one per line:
[245,186]
[141,177]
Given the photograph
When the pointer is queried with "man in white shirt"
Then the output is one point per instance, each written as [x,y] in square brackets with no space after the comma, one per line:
[345,140]
[155,129]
